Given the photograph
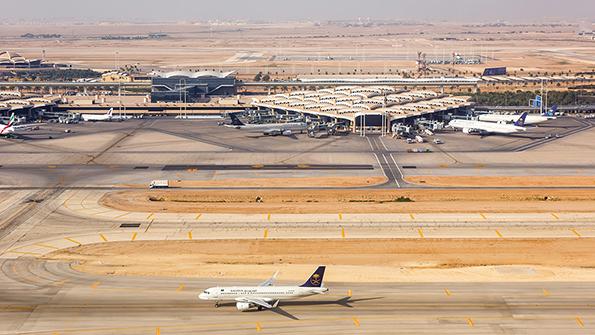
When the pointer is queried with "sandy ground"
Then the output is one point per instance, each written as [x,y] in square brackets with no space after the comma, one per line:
[376,260]
[498,181]
[352,201]
[304,48]
[352,181]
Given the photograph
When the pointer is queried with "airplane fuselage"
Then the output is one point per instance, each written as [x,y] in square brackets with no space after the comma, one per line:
[531,119]
[482,127]
[92,117]
[269,293]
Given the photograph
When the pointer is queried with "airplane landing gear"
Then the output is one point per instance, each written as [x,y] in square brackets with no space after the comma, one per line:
[217,304]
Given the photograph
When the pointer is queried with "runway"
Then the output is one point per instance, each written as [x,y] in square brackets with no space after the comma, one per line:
[50,298]
[138,151]
[53,204]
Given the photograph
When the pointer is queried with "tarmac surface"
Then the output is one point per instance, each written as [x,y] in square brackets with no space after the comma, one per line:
[49,201]
[140,150]
[42,297]
[49,297]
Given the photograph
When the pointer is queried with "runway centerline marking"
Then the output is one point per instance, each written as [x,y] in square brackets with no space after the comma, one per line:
[180,288]
[483,216]
[258,327]
[580,322]
[343,232]
[499,234]
[391,170]
[122,215]
[349,293]
[382,142]
[157,331]
[447,292]
[95,284]
[470,322]
[73,241]
[575,232]
[189,235]
[133,237]
[420,231]
[150,216]
[269,217]
[411,216]
[555,216]
[340,216]
[356,321]
[398,169]
[546,293]
[197,216]
[266,233]
[103,237]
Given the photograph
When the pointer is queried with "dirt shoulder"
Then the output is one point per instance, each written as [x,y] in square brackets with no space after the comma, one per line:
[366,260]
[352,201]
[499,181]
[347,182]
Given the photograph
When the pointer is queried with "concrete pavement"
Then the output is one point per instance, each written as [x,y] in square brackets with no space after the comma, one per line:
[50,298]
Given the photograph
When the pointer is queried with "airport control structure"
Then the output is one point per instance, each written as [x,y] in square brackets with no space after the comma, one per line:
[181,86]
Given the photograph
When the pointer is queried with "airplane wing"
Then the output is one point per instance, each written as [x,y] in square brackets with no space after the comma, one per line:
[270,281]
[258,302]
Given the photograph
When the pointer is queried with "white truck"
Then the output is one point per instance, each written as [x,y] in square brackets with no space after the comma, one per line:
[159,184]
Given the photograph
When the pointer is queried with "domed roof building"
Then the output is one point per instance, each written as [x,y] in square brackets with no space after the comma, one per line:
[13,59]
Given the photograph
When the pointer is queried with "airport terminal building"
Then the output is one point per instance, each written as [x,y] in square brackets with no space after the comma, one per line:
[365,109]
[192,87]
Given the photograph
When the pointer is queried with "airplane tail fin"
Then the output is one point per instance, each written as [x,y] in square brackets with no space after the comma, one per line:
[315,279]
[11,120]
[553,111]
[521,121]
[235,120]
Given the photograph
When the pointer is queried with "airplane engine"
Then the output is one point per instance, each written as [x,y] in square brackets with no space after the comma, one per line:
[466,130]
[243,306]
[287,133]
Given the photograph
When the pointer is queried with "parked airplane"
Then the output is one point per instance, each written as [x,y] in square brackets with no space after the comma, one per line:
[11,127]
[268,129]
[265,296]
[530,119]
[98,117]
[482,127]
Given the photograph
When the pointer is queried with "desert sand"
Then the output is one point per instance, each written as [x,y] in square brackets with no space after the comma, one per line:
[498,181]
[374,260]
[352,201]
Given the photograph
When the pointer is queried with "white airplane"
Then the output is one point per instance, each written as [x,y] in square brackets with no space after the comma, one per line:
[98,117]
[482,127]
[268,129]
[265,296]
[531,118]
[11,127]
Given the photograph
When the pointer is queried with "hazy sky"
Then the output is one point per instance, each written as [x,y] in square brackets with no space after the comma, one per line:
[175,10]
